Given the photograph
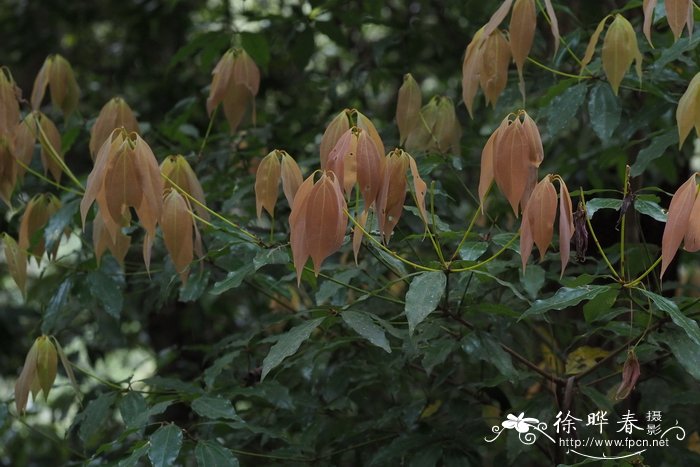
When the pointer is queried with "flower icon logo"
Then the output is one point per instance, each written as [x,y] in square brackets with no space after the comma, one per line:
[520,423]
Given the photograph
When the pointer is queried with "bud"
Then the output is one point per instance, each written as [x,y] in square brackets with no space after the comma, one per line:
[408,106]
[630,375]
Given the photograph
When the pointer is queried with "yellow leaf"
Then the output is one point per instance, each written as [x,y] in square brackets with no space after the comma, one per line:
[64,88]
[648,8]
[590,49]
[40,83]
[583,358]
[9,105]
[688,111]
[8,170]
[619,51]
[46,364]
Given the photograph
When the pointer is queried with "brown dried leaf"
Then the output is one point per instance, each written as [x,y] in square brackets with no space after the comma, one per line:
[297,226]
[8,170]
[648,7]
[590,49]
[511,162]
[494,67]
[365,124]
[102,240]
[246,72]
[408,106]
[221,77]
[9,106]
[335,129]
[392,196]
[678,220]
[691,240]
[64,88]
[471,69]
[554,24]
[541,211]
[177,226]
[342,159]
[370,168]
[533,136]
[497,17]
[177,169]
[688,111]
[46,364]
[26,379]
[566,225]
[420,189]
[486,173]
[523,22]
[677,14]
[620,49]
[115,113]
[291,177]
[16,259]
[66,365]
[267,179]
[40,83]
[50,140]
[236,101]
[326,213]
[357,233]
[37,213]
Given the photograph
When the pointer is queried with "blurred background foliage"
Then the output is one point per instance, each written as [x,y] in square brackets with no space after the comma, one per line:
[156,353]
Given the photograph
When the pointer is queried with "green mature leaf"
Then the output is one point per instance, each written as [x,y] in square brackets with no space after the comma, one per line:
[233,279]
[532,280]
[600,305]
[94,416]
[656,149]
[196,285]
[362,324]
[564,298]
[686,351]
[165,445]
[604,111]
[212,454]
[211,373]
[690,326]
[423,296]
[59,222]
[107,292]
[136,455]
[484,347]
[214,408]
[55,306]
[562,110]
[279,255]
[288,344]
[471,251]
[134,410]
[596,204]
[651,209]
